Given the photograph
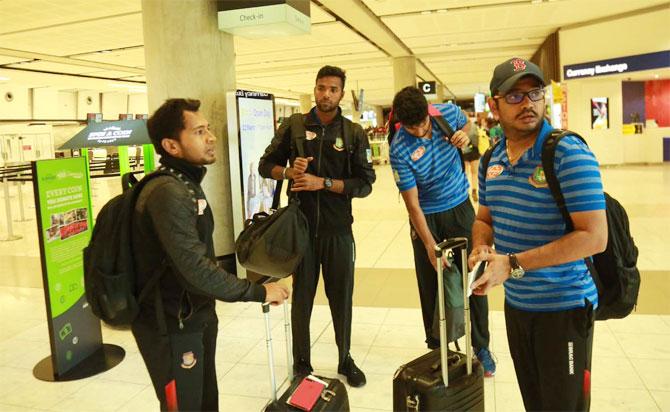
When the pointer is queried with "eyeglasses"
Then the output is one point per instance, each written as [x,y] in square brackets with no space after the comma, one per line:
[517,97]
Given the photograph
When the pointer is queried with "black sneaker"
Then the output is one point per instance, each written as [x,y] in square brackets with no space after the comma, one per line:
[355,376]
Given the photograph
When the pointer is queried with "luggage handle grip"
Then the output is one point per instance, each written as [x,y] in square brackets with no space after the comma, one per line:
[448,244]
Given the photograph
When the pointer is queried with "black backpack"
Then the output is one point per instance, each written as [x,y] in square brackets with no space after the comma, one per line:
[614,270]
[109,269]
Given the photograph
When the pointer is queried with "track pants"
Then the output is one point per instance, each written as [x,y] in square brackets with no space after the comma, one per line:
[552,357]
[335,256]
[181,364]
[456,222]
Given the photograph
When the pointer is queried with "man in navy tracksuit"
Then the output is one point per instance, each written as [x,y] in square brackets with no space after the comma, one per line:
[326,179]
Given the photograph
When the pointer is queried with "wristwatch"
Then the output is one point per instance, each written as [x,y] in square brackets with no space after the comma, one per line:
[516,271]
[327,183]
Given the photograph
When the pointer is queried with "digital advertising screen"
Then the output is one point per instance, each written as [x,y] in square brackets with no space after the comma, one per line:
[600,113]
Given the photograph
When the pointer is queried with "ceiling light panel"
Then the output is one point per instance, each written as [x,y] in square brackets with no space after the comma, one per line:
[31,14]
[112,33]
[132,57]
[52,67]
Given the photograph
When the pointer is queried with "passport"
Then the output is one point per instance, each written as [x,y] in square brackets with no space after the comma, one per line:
[306,394]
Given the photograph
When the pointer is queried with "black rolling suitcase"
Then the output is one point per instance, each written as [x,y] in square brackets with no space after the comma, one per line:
[334,396]
[422,384]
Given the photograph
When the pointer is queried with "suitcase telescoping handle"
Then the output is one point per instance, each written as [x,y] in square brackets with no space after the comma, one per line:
[268,344]
[440,249]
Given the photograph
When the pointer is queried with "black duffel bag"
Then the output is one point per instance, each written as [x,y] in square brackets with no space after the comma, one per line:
[274,245]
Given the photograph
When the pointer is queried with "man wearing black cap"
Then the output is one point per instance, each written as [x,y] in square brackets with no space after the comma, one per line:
[549,293]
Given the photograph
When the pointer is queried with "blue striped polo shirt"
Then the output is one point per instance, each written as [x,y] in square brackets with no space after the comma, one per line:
[432,165]
[525,216]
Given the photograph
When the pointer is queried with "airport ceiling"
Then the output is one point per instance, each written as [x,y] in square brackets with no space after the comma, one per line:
[456,42]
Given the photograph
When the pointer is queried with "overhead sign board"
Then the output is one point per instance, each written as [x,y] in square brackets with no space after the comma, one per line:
[117,133]
[264,18]
[647,61]
[429,89]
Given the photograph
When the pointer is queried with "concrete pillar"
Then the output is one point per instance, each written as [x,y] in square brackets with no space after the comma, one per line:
[379,113]
[355,114]
[404,72]
[305,103]
[172,31]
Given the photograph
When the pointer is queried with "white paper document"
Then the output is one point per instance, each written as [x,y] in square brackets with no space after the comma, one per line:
[476,271]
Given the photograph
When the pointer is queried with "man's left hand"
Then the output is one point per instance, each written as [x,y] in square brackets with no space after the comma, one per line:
[460,139]
[306,182]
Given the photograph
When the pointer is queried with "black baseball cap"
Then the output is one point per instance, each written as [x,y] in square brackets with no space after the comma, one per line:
[508,73]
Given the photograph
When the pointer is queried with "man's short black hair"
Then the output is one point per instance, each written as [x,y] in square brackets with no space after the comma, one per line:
[410,106]
[334,71]
[168,121]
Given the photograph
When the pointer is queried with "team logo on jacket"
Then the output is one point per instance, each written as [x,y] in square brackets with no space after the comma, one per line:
[310,135]
[188,360]
[339,144]
[202,205]
[537,178]
[494,171]
[418,153]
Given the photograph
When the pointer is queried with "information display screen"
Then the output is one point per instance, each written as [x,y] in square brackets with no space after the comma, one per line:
[256,130]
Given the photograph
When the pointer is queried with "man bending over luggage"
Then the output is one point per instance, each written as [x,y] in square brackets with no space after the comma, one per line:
[337,167]
[429,173]
[177,325]
[550,296]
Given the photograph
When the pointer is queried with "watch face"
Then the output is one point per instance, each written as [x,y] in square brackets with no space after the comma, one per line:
[328,183]
[517,273]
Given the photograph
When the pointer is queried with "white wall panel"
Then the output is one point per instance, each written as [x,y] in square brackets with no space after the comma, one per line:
[45,103]
[87,102]
[138,103]
[67,105]
[113,104]
[19,106]
[644,33]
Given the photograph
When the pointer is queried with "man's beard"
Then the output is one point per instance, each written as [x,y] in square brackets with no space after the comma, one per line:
[326,107]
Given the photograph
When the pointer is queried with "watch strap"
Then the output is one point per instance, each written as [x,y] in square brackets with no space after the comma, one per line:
[513,261]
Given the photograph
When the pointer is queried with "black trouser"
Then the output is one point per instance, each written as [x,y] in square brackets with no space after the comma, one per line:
[335,255]
[181,364]
[552,357]
[456,222]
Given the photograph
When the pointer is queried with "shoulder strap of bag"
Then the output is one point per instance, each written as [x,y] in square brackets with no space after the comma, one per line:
[297,131]
[548,158]
[446,130]
[486,157]
[348,137]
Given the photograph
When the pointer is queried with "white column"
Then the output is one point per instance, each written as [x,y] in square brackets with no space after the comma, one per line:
[187,56]
[404,72]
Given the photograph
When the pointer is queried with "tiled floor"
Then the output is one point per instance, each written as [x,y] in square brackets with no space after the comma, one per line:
[630,363]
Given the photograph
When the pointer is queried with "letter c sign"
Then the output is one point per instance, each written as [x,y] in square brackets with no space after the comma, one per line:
[427,88]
